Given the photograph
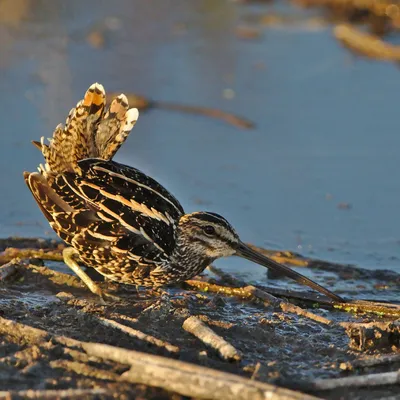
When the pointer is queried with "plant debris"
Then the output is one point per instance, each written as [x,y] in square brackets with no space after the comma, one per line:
[287,338]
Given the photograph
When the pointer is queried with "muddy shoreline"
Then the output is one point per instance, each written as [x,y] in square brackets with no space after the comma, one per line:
[276,347]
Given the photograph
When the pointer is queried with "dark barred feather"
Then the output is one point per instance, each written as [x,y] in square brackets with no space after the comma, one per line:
[119,220]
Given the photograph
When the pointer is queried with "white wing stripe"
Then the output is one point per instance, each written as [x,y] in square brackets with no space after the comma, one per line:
[120,176]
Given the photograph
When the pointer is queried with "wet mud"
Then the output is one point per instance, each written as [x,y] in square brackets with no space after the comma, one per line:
[282,348]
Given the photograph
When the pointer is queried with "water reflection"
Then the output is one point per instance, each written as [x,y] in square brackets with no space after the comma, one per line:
[326,128]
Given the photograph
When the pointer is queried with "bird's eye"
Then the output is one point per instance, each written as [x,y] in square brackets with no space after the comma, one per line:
[209,230]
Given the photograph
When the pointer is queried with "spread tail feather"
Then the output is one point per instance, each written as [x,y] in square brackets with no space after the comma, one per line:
[90,131]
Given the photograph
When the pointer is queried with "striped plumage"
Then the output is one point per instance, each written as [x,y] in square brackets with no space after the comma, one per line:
[119,220]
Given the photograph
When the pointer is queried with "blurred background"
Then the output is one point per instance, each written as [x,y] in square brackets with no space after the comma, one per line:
[318,174]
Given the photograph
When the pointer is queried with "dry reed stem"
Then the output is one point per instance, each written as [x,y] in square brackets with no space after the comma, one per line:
[135,333]
[380,379]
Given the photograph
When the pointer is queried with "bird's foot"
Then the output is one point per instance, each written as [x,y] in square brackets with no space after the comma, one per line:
[159,292]
[104,296]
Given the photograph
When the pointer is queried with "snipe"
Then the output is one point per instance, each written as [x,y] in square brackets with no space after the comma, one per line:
[117,219]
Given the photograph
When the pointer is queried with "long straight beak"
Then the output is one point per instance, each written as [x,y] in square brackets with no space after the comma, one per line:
[251,255]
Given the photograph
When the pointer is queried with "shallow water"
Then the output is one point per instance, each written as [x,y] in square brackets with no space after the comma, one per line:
[326,122]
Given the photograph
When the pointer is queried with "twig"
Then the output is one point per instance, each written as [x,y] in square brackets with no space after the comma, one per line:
[199,329]
[366,44]
[347,272]
[273,292]
[42,254]
[381,8]
[10,269]
[362,306]
[211,287]
[381,379]
[288,307]
[55,394]
[231,119]
[84,369]
[142,102]
[356,306]
[139,335]
[169,374]
[254,294]
[372,361]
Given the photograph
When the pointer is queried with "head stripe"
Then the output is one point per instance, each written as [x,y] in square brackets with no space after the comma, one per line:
[213,218]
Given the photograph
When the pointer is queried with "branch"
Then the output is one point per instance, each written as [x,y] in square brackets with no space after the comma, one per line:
[381,309]
[42,254]
[372,361]
[138,334]
[56,394]
[381,379]
[142,102]
[199,329]
[366,44]
[259,296]
[10,269]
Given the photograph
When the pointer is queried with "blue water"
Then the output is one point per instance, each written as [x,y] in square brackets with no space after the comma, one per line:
[327,123]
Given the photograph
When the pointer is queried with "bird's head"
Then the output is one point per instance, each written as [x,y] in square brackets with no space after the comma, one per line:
[208,234]
[205,236]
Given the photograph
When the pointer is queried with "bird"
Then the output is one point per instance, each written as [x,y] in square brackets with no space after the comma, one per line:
[120,221]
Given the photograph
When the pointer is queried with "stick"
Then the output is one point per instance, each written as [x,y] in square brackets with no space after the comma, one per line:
[373,361]
[379,308]
[199,329]
[382,309]
[292,308]
[144,103]
[55,394]
[84,369]
[368,45]
[381,379]
[174,375]
[229,118]
[139,335]
[378,8]
[187,379]
[42,254]
[10,269]
[254,294]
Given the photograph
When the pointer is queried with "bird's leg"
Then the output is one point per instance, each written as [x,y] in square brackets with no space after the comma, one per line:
[69,255]
[159,291]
